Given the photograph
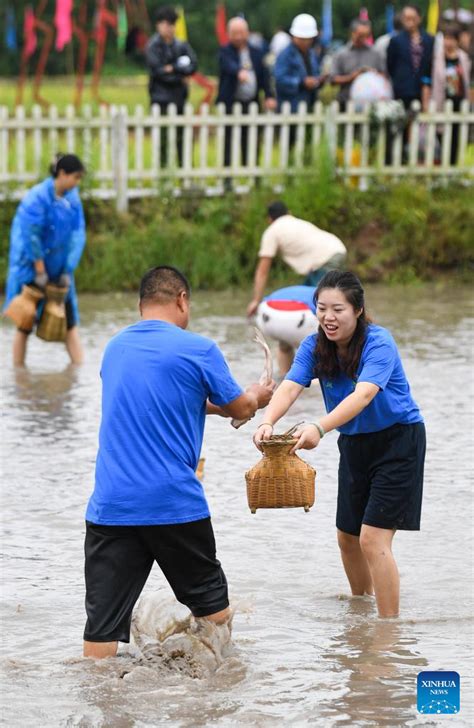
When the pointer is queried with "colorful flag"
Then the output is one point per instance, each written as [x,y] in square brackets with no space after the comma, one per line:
[103,17]
[10,30]
[181,30]
[326,31]
[433,17]
[389,18]
[221,25]
[122,27]
[29,33]
[364,15]
[63,23]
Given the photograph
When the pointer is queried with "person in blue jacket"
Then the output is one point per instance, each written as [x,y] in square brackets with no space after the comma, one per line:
[46,243]
[297,67]
[382,442]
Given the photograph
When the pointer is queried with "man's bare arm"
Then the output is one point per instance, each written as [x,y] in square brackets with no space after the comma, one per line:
[260,281]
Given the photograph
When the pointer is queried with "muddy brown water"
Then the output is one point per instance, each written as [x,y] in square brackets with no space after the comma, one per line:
[305,653]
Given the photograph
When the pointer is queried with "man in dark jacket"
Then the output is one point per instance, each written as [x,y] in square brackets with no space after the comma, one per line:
[242,77]
[170,62]
[410,57]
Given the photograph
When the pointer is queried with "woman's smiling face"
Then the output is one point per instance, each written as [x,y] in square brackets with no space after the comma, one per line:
[336,316]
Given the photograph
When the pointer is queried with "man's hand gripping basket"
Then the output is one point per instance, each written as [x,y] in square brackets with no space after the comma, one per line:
[281,479]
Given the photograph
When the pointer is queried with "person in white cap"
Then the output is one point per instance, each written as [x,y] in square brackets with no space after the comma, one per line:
[297,75]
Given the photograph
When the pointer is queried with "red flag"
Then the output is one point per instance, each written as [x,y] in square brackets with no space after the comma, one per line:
[221,25]
[104,17]
[364,15]
[63,23]
[29,33]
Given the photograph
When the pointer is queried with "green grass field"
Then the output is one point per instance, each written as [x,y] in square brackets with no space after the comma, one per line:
[60,90]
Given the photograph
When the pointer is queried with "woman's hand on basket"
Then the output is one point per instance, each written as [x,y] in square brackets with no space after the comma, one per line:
[308,437]
[264,432]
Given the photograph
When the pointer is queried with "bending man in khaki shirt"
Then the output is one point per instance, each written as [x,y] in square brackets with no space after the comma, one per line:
[311,252]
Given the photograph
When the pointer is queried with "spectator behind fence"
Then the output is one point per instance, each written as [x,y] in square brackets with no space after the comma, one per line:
[280,40]
[381,44]
[242,77]
[450,79]
[355,58]
[409,57]
[170,62]
[297,66]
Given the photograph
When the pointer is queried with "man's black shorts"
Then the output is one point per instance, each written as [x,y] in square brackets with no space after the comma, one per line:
[381,479]
[119,560]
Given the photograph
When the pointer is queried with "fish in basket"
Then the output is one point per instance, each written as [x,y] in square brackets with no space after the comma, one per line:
[281,479]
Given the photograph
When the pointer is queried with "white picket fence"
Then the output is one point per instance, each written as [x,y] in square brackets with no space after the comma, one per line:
[123,151]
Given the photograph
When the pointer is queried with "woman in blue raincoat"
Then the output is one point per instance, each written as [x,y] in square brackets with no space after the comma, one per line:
[46,243]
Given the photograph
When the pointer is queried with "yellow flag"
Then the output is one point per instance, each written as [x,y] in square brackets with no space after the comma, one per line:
[433,17]
[181,30]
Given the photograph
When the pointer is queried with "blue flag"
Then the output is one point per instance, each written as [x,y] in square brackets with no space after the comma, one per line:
[10,30]
[389,15]
[326,31]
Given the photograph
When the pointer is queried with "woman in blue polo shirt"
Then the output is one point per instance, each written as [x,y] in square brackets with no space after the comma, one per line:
[382,442]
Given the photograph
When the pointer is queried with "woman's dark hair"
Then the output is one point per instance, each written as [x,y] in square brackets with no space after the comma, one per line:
[329,364]
[69,163]
[451,31]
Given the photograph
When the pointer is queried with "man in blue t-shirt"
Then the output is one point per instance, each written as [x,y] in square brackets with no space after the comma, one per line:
[158,382]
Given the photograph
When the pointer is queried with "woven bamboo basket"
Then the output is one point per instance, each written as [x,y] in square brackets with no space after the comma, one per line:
[22,309]
[281,479]
[53,325]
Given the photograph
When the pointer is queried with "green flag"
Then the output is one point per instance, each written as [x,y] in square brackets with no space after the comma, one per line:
[122,27]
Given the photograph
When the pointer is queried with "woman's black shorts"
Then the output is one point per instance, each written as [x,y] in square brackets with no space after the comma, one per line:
[119,560]
[381,479]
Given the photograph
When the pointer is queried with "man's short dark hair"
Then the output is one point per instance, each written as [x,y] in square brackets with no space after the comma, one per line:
[277,209]
[166,12]
[358,22]
[162,284]
[416,8]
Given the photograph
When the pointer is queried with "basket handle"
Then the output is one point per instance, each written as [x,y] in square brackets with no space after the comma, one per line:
[293,429]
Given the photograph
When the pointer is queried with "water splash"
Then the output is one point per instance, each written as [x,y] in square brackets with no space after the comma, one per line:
[166,635]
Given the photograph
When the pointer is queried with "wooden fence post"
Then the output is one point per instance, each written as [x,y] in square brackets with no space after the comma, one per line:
[120,158]
[330,130]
